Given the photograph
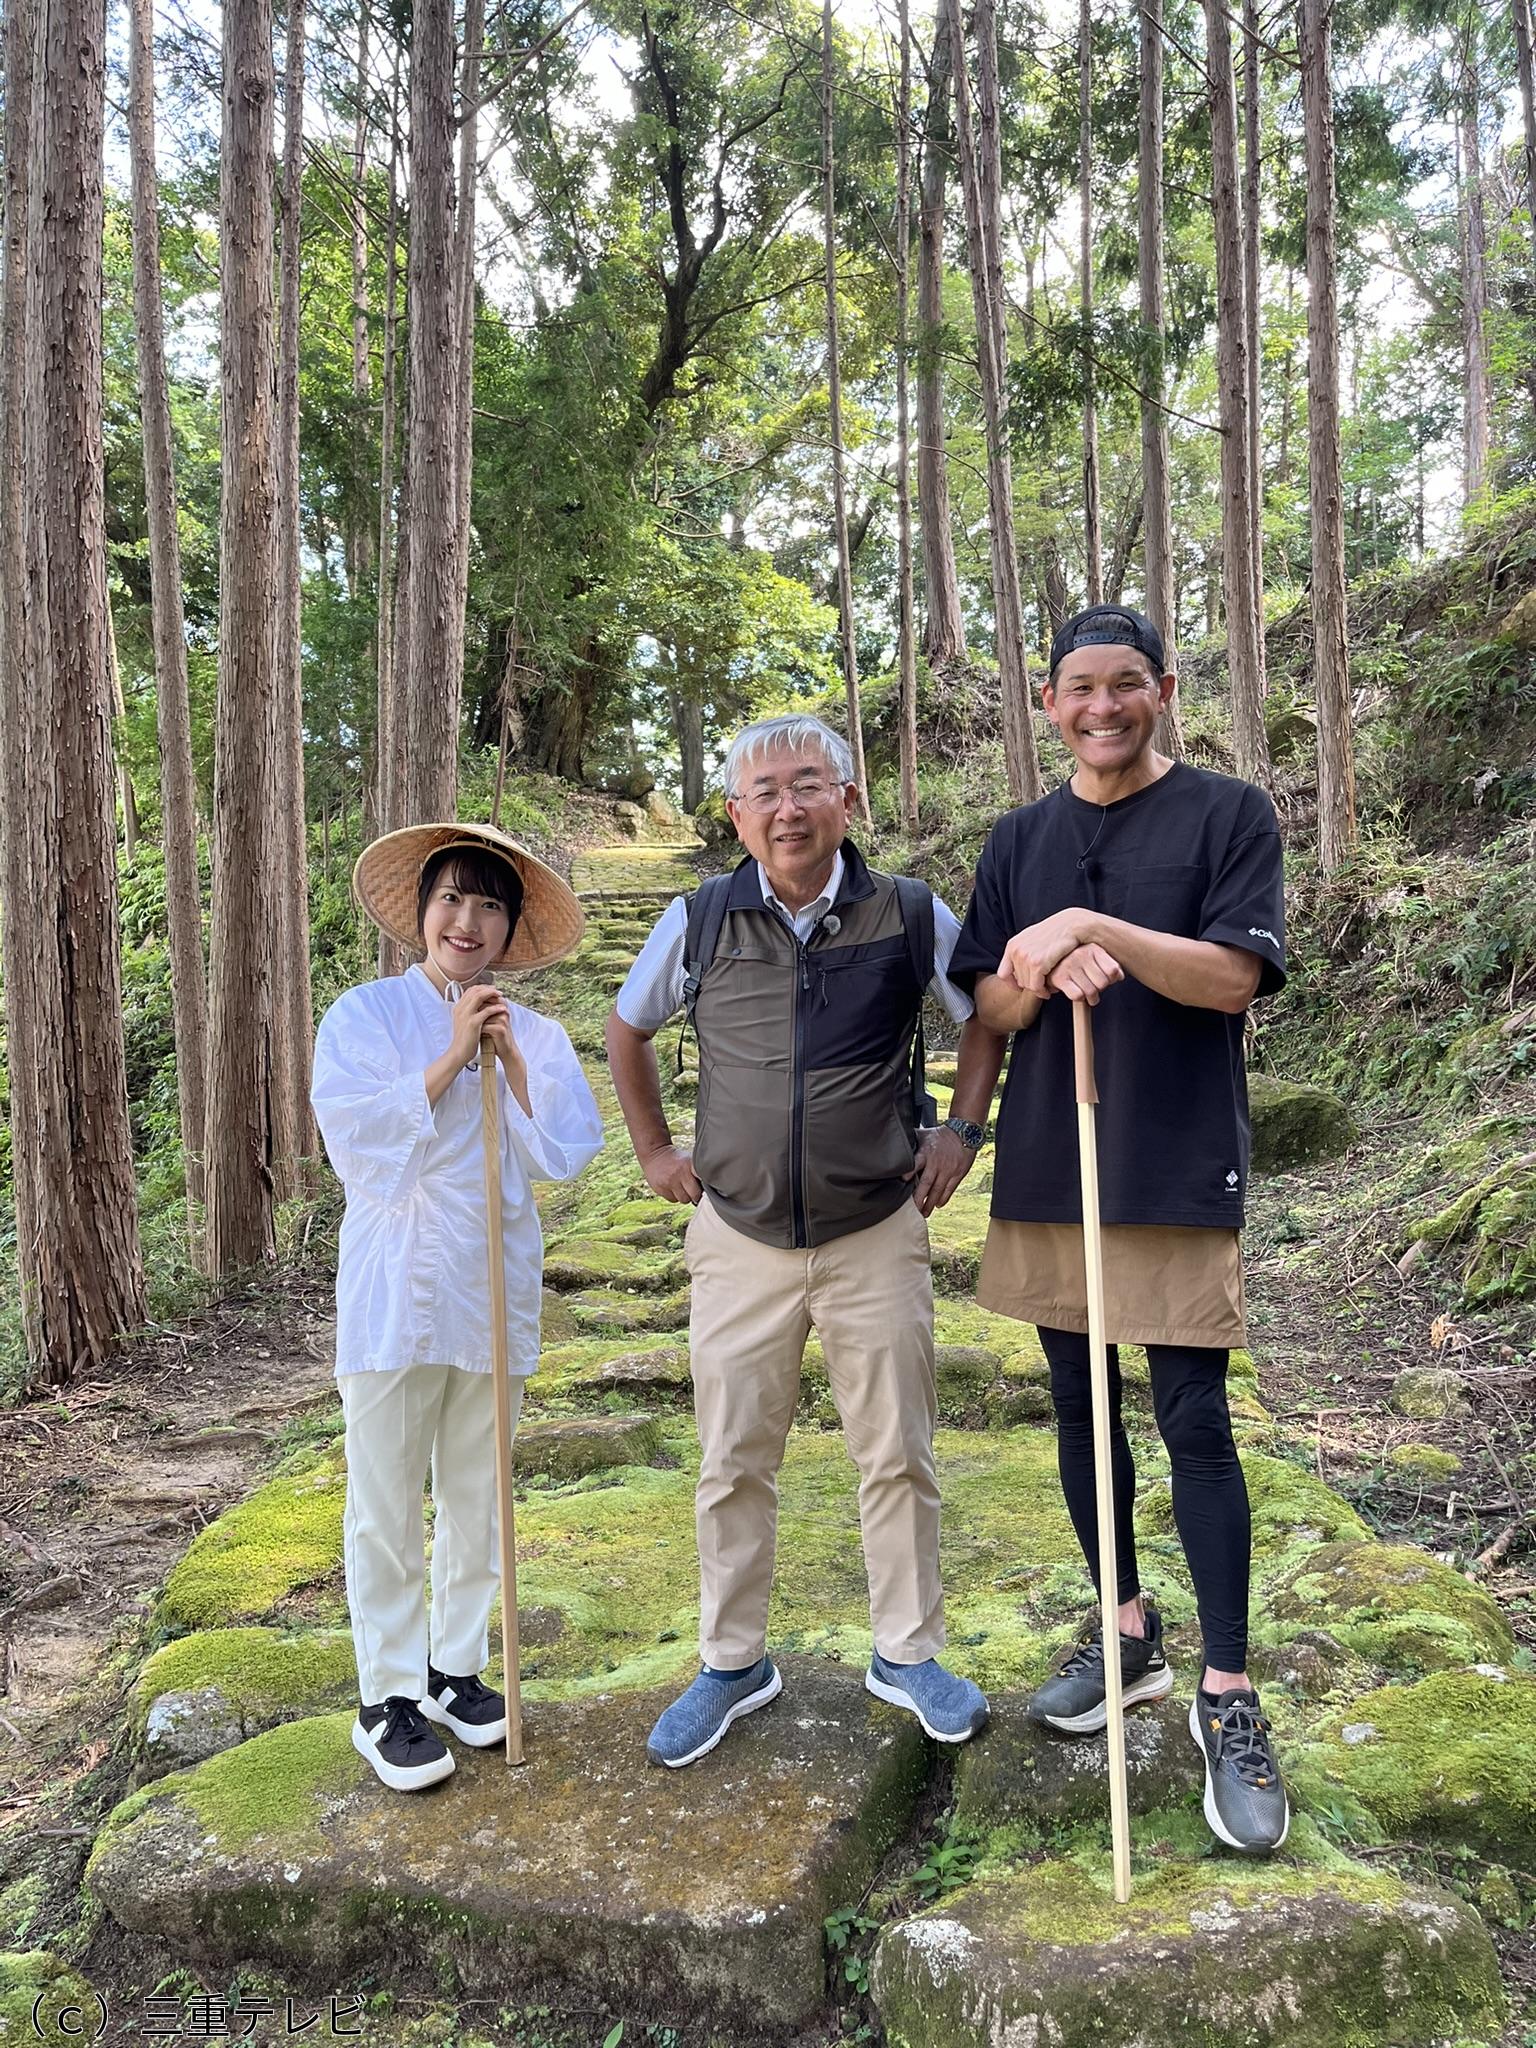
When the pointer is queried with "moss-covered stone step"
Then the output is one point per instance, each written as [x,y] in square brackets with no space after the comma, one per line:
[570,1447]
[1294,1125]
[1216,1954]
[645,1363]
[581,1262]
[1017,1771]
[612,1310]
[1392,1606]
[1451,1760]
[587,1879]
[285,1537]
[203,1693]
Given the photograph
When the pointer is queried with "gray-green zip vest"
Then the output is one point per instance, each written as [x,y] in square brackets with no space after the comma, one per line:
[805,1125]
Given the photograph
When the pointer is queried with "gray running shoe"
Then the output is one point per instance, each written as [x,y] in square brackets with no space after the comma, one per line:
[1073,1701]
[695,1722]
[1245,1803]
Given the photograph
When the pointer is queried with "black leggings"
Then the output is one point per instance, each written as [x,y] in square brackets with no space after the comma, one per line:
[1210,1500]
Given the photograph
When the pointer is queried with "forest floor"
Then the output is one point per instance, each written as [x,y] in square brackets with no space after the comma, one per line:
[103,1487]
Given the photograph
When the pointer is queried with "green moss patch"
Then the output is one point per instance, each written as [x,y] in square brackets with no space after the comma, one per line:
[41,1999]
[610,1309]
[1452,1759]
[285,1537]
[1392,1606]
[581,1262]
[1293,1124]
[569,1449]
[1214,1954]
[958,1235]
[1490,1231]
[266,1674]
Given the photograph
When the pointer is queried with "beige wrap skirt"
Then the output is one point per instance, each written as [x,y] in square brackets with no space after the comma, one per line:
[1163,1284]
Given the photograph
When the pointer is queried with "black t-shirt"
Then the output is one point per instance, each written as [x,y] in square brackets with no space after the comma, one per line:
[1193,853]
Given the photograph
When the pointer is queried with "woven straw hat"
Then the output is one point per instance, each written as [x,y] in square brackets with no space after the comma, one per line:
[388,876]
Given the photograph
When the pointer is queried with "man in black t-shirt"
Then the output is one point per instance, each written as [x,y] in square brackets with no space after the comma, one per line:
[1153,891]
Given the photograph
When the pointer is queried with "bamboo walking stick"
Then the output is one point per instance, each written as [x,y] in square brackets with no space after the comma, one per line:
[490,1126]
[1103,1475]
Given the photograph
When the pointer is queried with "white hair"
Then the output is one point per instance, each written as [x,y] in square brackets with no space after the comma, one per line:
[790,734]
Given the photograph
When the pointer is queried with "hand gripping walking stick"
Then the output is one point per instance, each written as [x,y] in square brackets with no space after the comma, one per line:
[1103,1477]
[490,1126]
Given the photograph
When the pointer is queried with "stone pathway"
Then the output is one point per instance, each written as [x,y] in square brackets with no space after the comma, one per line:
[590,1884]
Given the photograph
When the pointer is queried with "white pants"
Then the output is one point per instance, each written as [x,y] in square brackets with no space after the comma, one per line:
[400,1424]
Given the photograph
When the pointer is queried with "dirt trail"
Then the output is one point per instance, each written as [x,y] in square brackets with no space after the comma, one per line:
[103,1486]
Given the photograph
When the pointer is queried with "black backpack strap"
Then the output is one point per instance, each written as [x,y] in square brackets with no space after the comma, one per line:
[915,900]
[706,921]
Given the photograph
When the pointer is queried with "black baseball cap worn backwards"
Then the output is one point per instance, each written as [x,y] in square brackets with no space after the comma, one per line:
[1109,625]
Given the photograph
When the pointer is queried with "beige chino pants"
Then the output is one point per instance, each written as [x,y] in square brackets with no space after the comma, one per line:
[869,1297]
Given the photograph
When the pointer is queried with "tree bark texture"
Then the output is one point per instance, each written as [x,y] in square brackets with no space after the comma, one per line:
[1330,633]
[1477,402]
[429,653]
[1239,596]
[240,1067]
[1156,506]
[388,749]
[1252,274]
[1526,65]
[1093,517]
[464,253]
[981,184]
[846,635]
[688,725]
[906,629]
[20,708]
[82,1279]
[359,540]
[944,622]
[294,1138]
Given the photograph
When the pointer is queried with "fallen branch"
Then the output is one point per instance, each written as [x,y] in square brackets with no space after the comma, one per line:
[1498,1549]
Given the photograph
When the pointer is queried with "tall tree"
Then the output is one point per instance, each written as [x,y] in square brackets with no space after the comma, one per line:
[906,633]
[1239,596]
[1477,388]
[1526,64]
[1252,299]
[82,1278]
[294,1138]
[429,633]
[980,150]
[359,548]
[1330,636]
[389,745]
[943,622]
[1093,523]
[1156,509]
[846,632]
[464,290]
[20,709]
[240,1076]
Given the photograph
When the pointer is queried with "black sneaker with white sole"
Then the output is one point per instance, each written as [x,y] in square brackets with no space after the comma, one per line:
[466,1708]
[402,1748]
[1072,1702]
[1245,1802]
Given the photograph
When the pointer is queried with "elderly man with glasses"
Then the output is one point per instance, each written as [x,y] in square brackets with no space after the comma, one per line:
[804,972]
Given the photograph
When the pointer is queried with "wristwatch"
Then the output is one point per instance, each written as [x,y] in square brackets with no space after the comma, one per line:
[971,1136]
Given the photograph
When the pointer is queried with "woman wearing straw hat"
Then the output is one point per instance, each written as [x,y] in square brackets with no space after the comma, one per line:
[399,1108]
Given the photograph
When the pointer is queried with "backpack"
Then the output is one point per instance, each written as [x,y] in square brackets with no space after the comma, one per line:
[706,921]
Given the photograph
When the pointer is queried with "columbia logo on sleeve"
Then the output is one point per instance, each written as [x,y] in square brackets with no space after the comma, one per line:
[1257,932]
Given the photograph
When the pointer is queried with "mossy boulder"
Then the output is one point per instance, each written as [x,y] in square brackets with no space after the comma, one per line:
[1018,1772]
[610,1309]
[964,1369]
[1293,1512]
[958,1235]
[1428,1393]
[1452,1760]
[581,1262]
[1212,1954]
[568,1449]
[1424,1462]
[42,1999]
[1490,1229]
[203,1693]
[1294,1125]
[285,1537]
[583,1881]
[596,1365]
[1392,1606]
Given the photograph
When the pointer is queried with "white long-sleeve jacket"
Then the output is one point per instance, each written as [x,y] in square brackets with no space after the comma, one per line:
[411,1279]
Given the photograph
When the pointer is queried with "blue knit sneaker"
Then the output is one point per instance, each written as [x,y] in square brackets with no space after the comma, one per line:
[692,1725]
[950,1709]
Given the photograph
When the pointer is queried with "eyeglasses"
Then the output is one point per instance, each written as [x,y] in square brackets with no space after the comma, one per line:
[807,792]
